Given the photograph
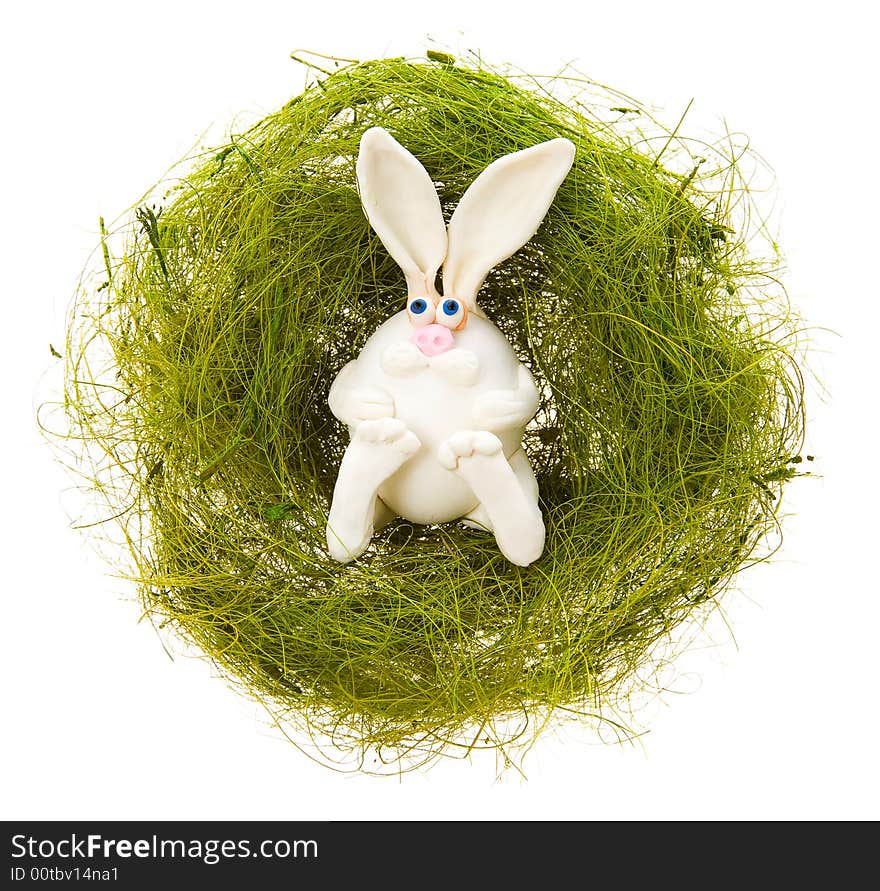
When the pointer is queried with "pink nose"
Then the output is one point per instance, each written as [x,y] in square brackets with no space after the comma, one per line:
[433,339]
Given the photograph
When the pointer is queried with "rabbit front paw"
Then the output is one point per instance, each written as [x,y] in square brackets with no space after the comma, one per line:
[367,404]
[501,410]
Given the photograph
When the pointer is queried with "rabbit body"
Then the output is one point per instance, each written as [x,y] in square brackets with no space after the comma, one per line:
[436,398]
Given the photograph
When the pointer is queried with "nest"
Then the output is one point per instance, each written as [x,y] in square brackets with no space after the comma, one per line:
[200,358]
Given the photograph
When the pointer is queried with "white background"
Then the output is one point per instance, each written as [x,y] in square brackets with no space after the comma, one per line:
[98,98]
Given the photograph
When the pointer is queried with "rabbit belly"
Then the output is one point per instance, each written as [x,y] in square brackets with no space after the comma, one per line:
[423,490]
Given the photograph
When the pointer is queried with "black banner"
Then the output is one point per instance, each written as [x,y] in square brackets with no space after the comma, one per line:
[390,855]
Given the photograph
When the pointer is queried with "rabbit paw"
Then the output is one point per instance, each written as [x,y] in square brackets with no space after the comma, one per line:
[367,404]
[466,443]
[387,432]
[501,410]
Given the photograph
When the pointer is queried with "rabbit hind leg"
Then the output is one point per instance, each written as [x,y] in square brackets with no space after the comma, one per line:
[506,490]
[478,518]
[378,448]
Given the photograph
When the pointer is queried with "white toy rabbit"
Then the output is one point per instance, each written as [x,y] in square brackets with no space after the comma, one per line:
[437,402]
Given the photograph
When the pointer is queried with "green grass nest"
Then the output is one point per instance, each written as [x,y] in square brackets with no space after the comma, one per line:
[200,358]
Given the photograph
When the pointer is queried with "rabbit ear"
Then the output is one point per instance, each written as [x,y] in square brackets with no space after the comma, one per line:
[500,212]
[402,206]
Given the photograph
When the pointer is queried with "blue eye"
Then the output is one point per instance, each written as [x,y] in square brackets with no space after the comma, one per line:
[452,314]
[418,306]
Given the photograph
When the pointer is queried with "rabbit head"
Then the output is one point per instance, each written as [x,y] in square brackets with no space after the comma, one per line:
[496,216]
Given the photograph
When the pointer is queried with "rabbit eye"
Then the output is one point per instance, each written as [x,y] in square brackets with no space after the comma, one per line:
[420,311]
[452,313]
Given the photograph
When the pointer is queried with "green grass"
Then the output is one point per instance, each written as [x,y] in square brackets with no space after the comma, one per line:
[199,362]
